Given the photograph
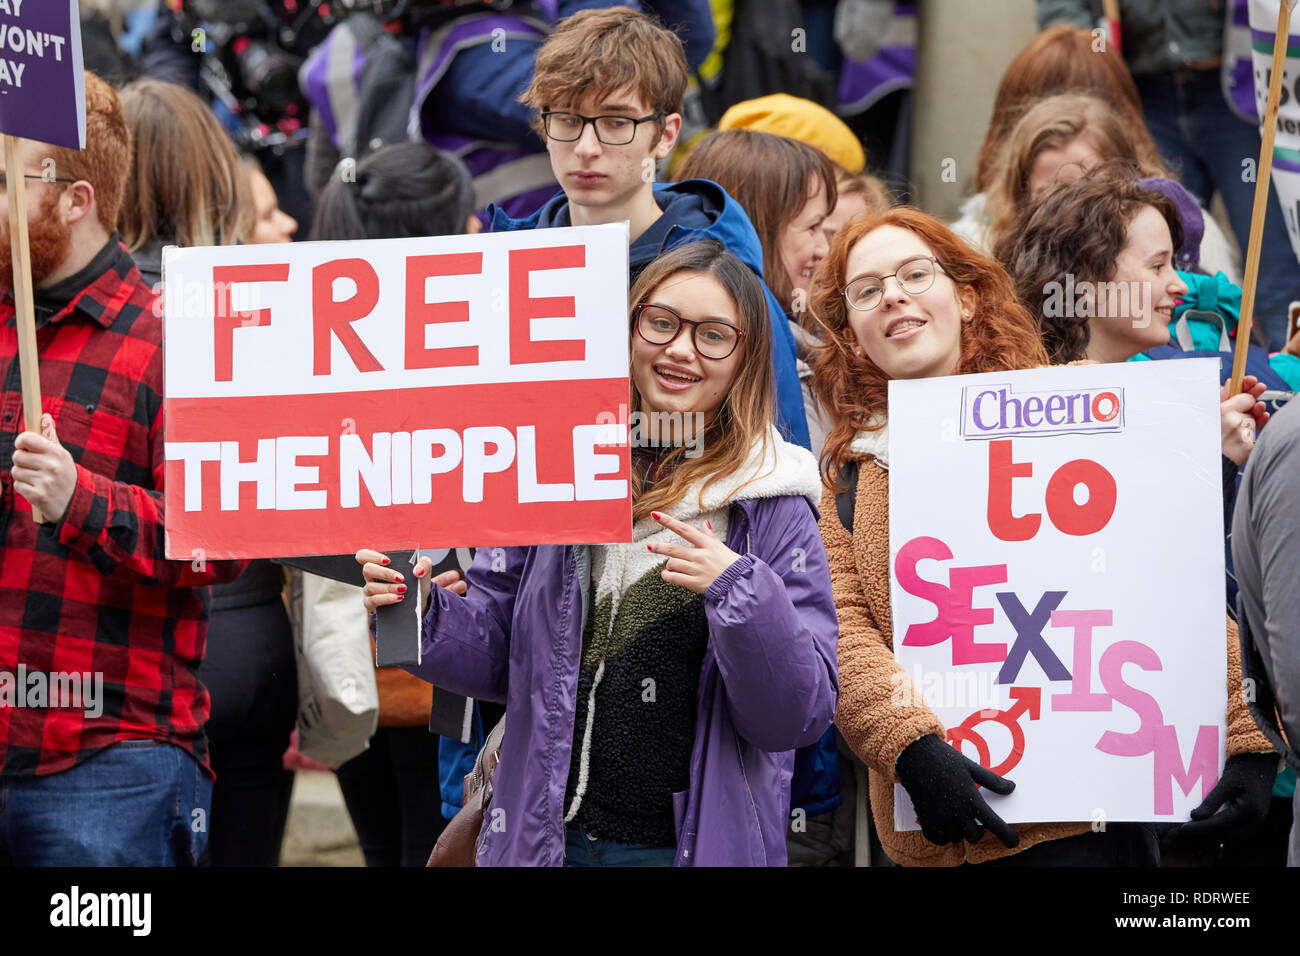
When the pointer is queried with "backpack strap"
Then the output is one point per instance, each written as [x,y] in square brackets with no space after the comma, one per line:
[846,500]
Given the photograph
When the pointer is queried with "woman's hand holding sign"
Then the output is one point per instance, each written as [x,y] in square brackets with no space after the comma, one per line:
[386,585]
[1242,415]
[943,786]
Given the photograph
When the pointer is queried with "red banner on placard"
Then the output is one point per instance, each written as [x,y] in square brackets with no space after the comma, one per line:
[344,471]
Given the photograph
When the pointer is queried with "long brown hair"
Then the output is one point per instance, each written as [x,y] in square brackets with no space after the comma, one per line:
[1052,123]
[185,184]
[1079,229]
[1000,334]
[772,177]
[745,417]
[1060,59]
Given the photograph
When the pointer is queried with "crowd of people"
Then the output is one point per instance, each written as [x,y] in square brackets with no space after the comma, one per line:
[777,286]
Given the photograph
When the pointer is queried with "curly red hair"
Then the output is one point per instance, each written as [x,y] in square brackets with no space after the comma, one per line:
[1000,335]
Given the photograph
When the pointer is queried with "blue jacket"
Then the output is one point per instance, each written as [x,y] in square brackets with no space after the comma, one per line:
[483,86]
[692,210]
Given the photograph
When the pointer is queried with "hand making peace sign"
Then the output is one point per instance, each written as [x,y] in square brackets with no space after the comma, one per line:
[697,564]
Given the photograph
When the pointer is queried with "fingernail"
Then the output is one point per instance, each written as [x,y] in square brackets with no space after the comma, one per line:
[655,515]
[649,547]
[401,589]
[709,525]
[399,576]
[419,572]
[383,560]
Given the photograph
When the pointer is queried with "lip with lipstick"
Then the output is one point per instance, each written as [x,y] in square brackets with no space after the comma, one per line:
[904,327]
[674,377]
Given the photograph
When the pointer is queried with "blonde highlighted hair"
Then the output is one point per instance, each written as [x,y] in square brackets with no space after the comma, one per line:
[1053,123]
[185,184]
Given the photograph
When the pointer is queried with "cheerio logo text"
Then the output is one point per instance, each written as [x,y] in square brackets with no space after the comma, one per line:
[998,411]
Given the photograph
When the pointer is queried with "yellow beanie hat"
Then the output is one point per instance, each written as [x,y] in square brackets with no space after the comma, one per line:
[804,120]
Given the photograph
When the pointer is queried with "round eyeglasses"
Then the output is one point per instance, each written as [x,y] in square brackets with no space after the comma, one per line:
[659,325]
[610,130]
[914,276]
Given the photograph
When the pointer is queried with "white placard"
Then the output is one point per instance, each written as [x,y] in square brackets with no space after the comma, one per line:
[1057,582]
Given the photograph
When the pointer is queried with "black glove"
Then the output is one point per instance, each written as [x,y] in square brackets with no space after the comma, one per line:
[941,783]
[1241,798]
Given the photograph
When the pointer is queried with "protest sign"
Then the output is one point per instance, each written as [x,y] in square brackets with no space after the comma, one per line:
[1264,17]
[42,83]
[42,97]
[436,392]
[1057,558]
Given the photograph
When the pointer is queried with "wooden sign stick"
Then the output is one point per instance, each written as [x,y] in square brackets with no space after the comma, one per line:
[1262,176]
[28,360]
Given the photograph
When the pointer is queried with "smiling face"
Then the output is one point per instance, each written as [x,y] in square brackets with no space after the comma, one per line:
[907,335]
[602,181]
[1134,311]
[803,242]
[675,377]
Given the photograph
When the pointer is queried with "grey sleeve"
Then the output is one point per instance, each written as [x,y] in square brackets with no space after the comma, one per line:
[1075,13]
[1266,556]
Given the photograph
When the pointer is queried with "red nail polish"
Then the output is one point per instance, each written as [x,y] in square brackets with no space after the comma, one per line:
[419,572]
[383,561]
[399,577]
[655,515]
[649,547]
[401,589]
[709,525]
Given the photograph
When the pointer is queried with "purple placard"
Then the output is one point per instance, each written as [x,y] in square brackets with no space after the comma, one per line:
[42,86]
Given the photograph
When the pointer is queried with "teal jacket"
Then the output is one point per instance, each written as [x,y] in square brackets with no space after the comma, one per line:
[1203,320]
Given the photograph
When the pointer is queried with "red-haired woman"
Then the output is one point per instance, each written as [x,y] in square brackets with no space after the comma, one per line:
[900,296]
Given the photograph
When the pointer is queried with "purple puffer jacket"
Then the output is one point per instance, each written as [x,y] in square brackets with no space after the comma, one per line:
[767,685]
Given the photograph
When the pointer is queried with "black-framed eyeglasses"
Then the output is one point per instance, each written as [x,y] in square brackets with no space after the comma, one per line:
[915,276]
[610,130]
[4,178]
[712,338]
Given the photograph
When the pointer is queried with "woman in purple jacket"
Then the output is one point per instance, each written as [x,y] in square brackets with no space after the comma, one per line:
[656,690]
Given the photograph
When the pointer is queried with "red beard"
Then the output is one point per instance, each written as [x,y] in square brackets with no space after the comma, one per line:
[48,241]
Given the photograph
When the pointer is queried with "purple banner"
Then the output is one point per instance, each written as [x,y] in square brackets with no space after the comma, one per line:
[42,86]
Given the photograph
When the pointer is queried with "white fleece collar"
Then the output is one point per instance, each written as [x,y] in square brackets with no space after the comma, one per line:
[873,443]
[778,469]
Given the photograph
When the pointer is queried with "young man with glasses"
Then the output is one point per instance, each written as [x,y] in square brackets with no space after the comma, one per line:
[112,769]
[608,87]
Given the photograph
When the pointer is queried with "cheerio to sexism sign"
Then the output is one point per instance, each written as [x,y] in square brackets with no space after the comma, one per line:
[1057,581]
[446,392]
[42,84]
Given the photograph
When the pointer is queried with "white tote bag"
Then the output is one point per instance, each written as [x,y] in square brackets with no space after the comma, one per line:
[338,702]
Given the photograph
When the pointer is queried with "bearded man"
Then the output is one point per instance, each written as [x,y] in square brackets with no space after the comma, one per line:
[103,760]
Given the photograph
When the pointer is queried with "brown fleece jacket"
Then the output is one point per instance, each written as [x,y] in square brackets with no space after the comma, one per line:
[879,713]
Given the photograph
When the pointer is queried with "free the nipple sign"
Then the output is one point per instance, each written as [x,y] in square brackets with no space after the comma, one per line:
[1056,486]
[405,389]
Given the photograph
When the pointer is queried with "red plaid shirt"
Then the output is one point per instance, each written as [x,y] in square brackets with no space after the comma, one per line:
[93,593]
